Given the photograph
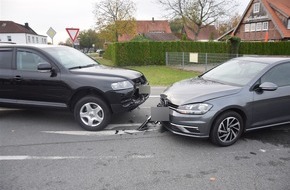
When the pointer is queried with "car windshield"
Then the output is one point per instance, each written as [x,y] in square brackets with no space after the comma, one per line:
[70,58]
[235,72]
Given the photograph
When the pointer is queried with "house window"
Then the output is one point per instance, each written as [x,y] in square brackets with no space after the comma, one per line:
[288,27]
[33,40]
[247,27]
[259,26]
[253,27]
[37,40]
[28,39]
[265,25]
[9,39]
[256,8]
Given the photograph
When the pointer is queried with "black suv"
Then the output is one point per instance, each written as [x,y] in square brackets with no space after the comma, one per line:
[63,77]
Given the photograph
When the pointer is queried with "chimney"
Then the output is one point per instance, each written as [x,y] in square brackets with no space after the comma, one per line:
[26,25]
[152,19]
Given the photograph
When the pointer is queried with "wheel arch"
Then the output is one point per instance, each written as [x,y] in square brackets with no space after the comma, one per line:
[80,93]
[238,110]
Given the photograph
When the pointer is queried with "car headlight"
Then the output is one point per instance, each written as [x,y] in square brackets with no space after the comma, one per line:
[195,109]
[122,85]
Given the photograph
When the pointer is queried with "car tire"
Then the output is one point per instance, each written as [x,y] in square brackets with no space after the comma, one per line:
[227,129]
[92,113]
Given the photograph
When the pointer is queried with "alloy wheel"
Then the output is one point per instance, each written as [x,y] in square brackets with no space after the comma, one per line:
[229,129]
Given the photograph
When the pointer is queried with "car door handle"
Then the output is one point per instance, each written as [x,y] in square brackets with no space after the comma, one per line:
[18,78]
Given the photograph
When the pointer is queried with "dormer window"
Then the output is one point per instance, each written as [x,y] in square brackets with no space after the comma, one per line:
[256,8]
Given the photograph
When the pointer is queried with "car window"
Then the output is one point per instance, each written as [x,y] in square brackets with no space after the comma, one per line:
[236,72]
[70,57]
[28,60]
[279,75]
[5,58]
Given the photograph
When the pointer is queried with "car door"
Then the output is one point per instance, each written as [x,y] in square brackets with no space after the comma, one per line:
[7,90]
[35,87]
[273,107]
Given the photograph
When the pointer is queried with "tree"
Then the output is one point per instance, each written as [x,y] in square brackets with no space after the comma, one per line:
[89,38]
[176,25]
[228,24]
[197,14]
[115,17]
[66,43]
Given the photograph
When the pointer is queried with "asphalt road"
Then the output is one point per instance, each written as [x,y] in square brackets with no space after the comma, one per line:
[48,150]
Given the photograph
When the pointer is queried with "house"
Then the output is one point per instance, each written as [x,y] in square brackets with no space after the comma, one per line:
[206,33]
[265,20]
[156,30]
[12,32]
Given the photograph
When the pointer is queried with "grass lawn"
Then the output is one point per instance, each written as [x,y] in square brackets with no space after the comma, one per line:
[157,75]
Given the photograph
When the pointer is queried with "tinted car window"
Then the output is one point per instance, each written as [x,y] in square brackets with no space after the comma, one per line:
[28,60]
[70,57]
[5,58]
[279,75]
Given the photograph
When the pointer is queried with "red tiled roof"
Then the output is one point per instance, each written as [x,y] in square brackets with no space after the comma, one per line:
[145,27]
[162,36]
[281,6]
[153,26]
[12,27]
[206,33]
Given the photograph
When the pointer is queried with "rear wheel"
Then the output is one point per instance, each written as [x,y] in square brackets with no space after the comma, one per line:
[227,129]
[92,113]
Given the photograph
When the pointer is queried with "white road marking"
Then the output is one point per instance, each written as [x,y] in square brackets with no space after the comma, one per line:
[24,157]
[145,107]
[98,133]
[154,96]
[112,126]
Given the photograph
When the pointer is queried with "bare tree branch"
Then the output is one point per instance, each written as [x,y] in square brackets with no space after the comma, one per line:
[109,13]
[197,14]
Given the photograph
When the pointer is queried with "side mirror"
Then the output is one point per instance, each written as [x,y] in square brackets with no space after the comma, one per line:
[268,86]
[44,67]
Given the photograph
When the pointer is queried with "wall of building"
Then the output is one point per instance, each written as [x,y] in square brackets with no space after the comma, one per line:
[21,38]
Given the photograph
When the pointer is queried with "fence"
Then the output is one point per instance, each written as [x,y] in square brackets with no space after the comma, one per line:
[197,61]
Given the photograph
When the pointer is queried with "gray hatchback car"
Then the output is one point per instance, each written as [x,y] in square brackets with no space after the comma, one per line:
[240,95]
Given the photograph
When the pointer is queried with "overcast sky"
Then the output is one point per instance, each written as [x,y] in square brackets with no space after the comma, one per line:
[61,14]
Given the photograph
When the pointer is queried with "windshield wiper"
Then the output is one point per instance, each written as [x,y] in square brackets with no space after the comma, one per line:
[80,67]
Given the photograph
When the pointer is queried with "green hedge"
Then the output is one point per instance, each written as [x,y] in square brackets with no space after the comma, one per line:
[153,53]
[265,48]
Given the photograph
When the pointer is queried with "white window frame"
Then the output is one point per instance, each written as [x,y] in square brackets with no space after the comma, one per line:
[256,8]
[253,27]
[265,25]
[247,27]
[259,26]
[288,26]
[9,38]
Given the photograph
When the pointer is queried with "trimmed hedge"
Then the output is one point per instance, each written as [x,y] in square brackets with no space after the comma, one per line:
[153,53]
[265,48]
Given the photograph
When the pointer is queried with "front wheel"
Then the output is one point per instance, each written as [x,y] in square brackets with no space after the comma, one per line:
[227,129]
[92,113]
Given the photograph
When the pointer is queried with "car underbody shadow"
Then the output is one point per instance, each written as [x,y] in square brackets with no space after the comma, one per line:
[279,135]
